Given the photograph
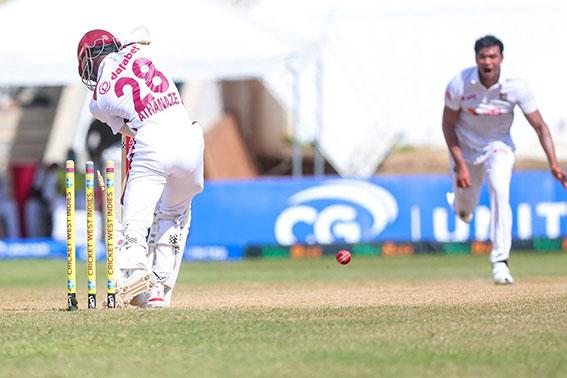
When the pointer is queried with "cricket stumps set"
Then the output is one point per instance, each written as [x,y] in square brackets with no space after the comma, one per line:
[107,186]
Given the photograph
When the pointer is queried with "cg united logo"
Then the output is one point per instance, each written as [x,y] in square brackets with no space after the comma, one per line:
[337,210]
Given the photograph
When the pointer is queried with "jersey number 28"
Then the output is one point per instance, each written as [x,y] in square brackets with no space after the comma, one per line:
[144,69]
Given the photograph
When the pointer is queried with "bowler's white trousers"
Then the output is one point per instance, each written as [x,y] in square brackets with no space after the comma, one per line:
[496,165]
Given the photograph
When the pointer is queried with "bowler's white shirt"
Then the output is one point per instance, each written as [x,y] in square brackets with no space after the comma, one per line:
[486,114]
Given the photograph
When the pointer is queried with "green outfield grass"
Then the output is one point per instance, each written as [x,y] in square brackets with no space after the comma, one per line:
[419,316]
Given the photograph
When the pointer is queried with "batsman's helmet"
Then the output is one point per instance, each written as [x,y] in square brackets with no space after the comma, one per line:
[94,43]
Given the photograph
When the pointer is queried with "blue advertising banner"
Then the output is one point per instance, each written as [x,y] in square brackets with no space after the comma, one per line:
[46,248]
[330,210]
[36,248]
[213,252]
[232,219]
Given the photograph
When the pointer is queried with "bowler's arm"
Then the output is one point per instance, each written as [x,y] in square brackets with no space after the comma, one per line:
[462,174]
[536,121]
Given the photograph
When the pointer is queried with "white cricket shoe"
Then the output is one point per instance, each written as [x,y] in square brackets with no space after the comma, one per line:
[155,298]
[464,216]
[501,274]
[138,282]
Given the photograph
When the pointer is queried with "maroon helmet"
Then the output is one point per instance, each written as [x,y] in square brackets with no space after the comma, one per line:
[94,43]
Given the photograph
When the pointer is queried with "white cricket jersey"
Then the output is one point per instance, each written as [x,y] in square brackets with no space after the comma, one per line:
[486,114]
[131,89]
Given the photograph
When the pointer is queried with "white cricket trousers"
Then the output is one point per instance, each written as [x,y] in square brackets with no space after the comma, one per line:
[166,172]
[496,166]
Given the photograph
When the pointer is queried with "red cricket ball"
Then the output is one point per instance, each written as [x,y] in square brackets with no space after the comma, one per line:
[343,257]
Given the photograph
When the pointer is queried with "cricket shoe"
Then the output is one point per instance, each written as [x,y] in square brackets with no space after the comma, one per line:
[138,282]
[155,298]
[501,273]
[463,215]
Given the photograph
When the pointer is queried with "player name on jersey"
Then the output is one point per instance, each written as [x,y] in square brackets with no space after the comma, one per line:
[159,104]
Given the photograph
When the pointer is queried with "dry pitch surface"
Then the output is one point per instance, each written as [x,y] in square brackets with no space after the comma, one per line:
[392,317]
[331,294]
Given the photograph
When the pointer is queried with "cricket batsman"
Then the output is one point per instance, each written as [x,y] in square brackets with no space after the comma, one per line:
[135,96]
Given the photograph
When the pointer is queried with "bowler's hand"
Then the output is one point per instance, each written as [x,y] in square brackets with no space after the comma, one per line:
[463,176]
[560,175]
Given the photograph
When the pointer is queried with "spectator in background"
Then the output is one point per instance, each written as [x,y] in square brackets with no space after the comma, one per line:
[46,193]
[99,138]
[9,216]
[54,192]
[478,114]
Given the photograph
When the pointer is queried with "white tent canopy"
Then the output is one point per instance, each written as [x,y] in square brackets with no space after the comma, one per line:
[202,40]
[365,72]
[197,39]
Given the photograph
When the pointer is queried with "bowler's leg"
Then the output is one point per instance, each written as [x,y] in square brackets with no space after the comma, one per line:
[499,174]
[466,199]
